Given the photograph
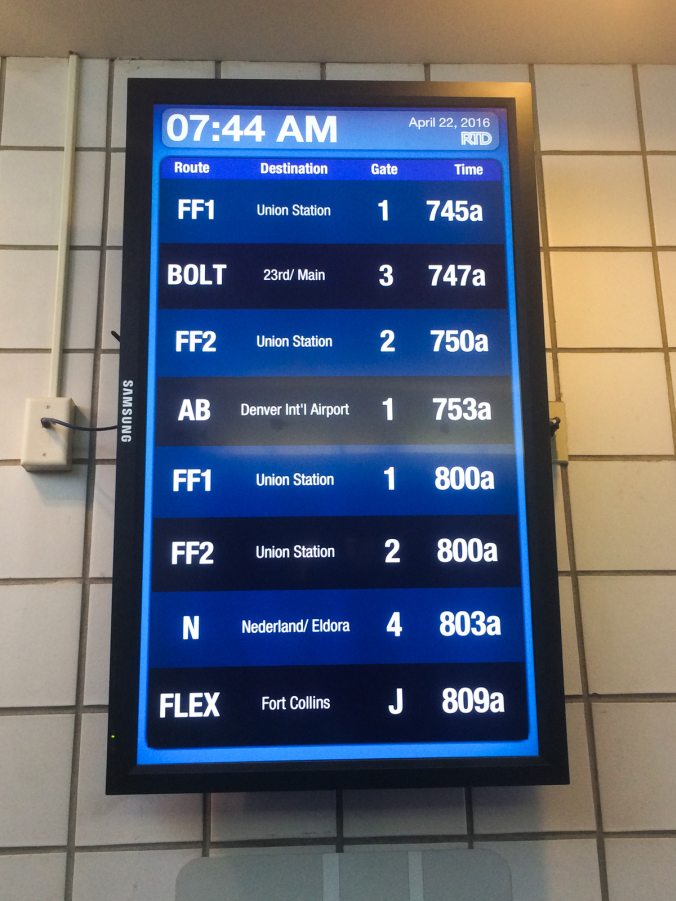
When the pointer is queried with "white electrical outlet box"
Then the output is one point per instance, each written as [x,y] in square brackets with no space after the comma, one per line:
[47,448]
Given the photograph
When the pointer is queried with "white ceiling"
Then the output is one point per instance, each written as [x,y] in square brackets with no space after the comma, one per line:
[553,31]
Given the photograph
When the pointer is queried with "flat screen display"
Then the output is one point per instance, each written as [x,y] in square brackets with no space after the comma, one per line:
[334,558]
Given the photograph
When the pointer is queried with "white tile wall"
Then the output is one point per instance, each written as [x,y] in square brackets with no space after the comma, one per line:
[474,72]
[545,303]
[133,875]
[41,523]
[28,281]
[309,71]
[638,779]
[29,180]
[641,868]
[551,381]
[126,819]
[88,197]
[623,510]
[586,108]
[101,560]
[92,103]
[549,808]
[39,630]
[662,171]
[404,812]
[116,200]
[624,514]
[40,877]
[616,403]
[561,531]
[658,83]
[629,623]
[112,296]
[376,71]
[571,659]
[551,870]
[35,102]
[98,645]
[36,754]
[585,207]
[83,287]
[667,268]
[605,299]
[273,815]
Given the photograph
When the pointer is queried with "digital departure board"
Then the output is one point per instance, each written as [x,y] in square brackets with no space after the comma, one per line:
[334,540]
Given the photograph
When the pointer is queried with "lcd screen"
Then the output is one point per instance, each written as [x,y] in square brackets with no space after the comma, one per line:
[334,540]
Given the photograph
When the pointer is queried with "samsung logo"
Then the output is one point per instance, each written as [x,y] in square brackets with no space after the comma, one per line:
[127,411]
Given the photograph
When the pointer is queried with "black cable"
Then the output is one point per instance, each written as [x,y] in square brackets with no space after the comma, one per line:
[47,421]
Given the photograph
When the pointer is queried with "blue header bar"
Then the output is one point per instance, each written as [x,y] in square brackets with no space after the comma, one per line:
[328,129]
[221,168]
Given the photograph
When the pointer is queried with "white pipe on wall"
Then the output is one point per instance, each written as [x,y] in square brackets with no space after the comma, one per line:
[65,219]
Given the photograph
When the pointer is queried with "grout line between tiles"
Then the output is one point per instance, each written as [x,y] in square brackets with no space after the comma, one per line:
[44,710]
[73,247]
[51,710]
[469,816]
[28,247]
[623,458]
[536,836]
[628,698]
[626,572]
[584,680]
[406,839]
[44,350]
[218,69]
[611,350]
[44,580]
[50,148]
[565,485]
[31,849]
[427,69]
[340,821]
[643,833]
[655,257]
[639,152]
[544,230]
[206,824]
[290,842]
[140,846]
[33,148]
[506,837]
[608,248]
[89,512]
[3,78]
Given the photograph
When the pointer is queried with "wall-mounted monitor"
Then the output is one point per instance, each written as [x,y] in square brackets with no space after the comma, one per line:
[334,540]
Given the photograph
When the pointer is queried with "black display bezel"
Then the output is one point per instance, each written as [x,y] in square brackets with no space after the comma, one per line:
[124,775]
